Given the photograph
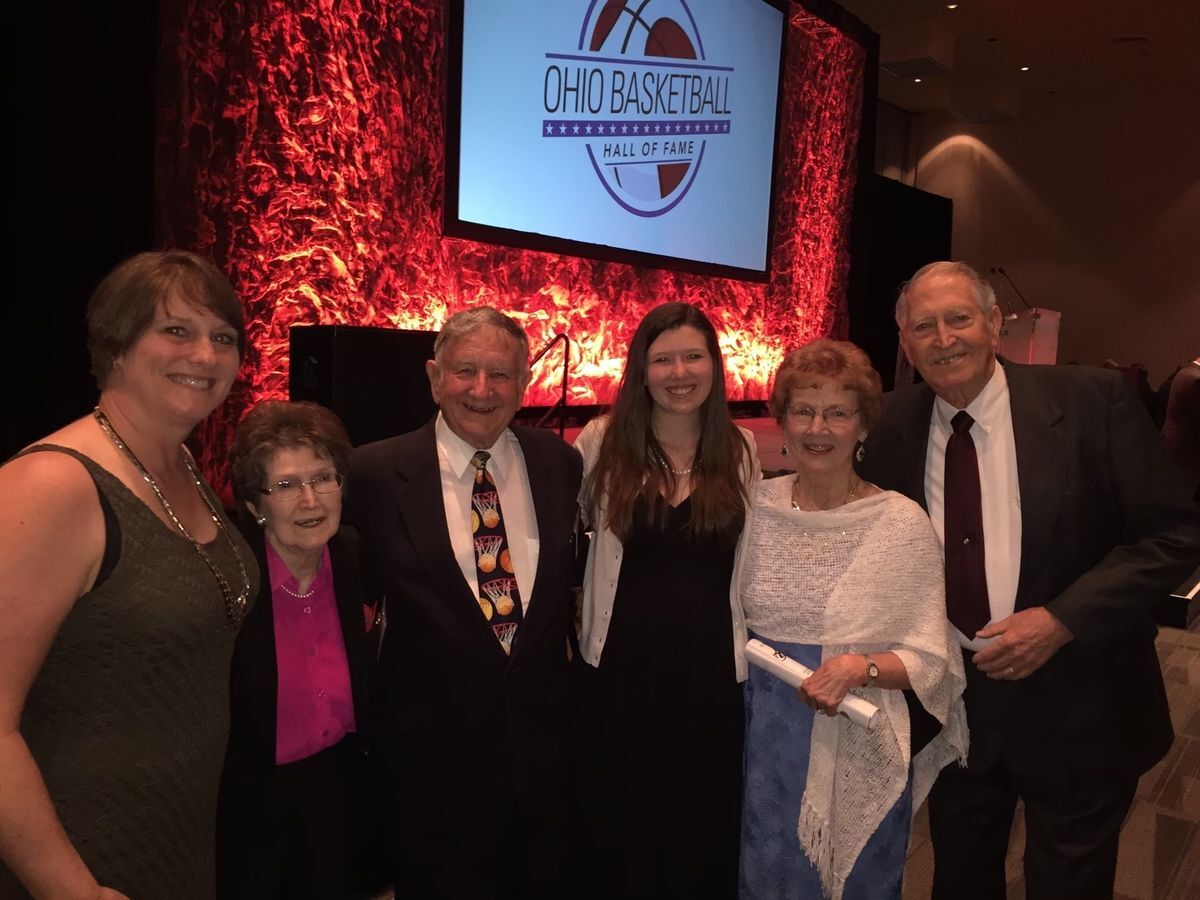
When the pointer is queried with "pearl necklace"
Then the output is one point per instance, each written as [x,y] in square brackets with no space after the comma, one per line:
[679,473]
[305,595]
[235,607]
[851,494]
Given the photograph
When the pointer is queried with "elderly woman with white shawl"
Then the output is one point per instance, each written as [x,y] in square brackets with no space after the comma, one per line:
[846,579]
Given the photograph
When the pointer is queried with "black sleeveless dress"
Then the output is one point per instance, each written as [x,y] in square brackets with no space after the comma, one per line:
[663,722]
[129,714]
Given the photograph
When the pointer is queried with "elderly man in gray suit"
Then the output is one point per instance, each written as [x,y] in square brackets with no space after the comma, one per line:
[1063,526]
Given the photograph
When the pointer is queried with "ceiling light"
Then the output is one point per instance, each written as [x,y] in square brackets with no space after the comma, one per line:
[951,6]
[1024,68]
[916,81]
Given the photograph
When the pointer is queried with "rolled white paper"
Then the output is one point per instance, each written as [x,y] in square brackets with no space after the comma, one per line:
[859,711]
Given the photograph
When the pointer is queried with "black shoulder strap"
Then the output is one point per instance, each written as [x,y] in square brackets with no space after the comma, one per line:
[112,526]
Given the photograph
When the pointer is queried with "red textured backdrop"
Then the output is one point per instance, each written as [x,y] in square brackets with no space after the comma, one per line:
[300,144]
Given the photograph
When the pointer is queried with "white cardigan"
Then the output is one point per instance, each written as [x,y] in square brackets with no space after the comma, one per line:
[605,553]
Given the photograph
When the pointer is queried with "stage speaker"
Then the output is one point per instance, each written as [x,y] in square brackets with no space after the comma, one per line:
[902,229]
[373,378]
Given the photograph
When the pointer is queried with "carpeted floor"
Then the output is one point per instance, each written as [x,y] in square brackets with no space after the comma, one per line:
[1160,841]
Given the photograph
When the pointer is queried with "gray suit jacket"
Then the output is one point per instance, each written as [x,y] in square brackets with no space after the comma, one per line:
[1107,529]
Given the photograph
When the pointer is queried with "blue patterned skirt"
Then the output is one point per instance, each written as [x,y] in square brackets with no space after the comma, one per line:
[778,736]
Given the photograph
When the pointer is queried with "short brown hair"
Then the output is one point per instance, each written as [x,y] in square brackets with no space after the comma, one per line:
[839,361]
[275,425]
[124,303]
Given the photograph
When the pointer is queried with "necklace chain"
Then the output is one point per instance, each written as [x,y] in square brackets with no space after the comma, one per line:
[680,473]
[304,596]
[235,607]
[851,493]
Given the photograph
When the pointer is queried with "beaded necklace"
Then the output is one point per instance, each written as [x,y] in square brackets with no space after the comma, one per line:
[235,607]
[662,461]
[298,596]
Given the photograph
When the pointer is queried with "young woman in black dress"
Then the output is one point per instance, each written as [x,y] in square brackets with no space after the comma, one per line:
[666,478]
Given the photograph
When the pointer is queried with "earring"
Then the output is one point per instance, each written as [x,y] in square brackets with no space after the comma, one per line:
[859,453]
[783,450]
[261,520]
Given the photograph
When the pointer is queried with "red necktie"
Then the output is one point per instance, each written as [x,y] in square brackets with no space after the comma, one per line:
[966,576]
[499,599]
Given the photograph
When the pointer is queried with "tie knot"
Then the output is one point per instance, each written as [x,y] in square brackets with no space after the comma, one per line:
[962,422]
[479,460]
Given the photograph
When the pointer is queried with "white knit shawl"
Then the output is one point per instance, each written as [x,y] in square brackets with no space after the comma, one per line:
[865,577]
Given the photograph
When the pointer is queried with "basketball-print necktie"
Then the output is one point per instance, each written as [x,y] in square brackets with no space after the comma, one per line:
[499,599]
[966,576]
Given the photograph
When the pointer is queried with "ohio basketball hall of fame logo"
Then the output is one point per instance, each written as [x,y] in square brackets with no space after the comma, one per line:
[641,98]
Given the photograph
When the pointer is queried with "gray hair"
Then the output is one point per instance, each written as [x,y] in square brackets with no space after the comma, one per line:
[463,323]
[982,291]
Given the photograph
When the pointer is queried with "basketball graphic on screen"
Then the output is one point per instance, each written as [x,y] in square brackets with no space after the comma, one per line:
[651,28]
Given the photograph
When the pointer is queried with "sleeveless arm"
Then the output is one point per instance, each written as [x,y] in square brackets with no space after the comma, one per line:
[51,545]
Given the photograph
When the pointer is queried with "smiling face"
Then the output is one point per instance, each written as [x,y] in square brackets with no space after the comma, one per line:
[950,340]
[478,380]
[298,527]
[823,444]
[182,366]
[679,371]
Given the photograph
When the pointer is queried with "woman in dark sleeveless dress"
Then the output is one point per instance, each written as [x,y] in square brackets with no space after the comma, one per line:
[659,790]
[121,588]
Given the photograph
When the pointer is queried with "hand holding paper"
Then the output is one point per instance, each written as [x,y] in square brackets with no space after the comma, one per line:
[783,667]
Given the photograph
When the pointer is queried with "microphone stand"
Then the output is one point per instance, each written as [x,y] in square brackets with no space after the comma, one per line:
[1000,269]
[1012,313]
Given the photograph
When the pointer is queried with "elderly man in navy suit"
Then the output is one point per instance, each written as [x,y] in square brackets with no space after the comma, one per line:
[1063,526]
[468,525]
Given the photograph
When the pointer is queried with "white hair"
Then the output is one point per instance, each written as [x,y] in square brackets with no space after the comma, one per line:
[982,291]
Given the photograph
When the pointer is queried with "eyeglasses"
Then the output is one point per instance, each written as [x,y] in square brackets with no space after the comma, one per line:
[833,415]
[291,489]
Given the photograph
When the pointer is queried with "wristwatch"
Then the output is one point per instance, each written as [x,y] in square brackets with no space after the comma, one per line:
[872,671]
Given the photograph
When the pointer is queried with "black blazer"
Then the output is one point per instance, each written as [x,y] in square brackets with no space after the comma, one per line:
[1106,531]
[469,739]
[248,803]
[253,683]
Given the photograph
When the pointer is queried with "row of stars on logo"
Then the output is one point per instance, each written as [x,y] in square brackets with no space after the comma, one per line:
[559,128]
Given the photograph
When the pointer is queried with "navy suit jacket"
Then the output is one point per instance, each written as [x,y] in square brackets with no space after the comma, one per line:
[471,742]
[1107,529]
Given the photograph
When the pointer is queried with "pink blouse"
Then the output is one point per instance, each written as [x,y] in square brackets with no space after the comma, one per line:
[315,707]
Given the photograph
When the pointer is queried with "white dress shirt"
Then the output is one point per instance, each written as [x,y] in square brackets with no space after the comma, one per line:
[996,451]
[507,467]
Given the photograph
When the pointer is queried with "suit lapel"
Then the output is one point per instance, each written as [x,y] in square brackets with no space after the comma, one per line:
[1042,457]
[419,499]
[545,501]
[349,593]
[264,694]
[903,443]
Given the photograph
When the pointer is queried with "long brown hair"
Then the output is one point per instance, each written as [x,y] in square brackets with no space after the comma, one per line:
[631,464]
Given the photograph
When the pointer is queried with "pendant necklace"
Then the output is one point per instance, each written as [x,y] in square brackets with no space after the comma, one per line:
[851,494]
[235,607]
